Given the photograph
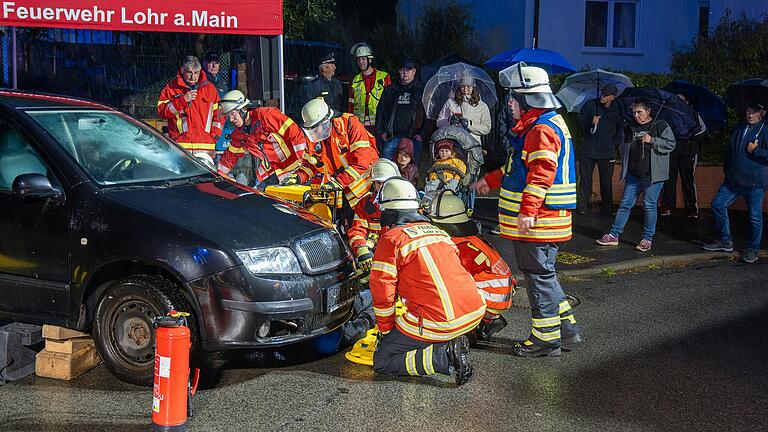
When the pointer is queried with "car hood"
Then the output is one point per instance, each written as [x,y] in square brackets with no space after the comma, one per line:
[226,213]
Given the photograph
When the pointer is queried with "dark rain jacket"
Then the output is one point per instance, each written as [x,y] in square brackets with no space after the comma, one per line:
[607,135]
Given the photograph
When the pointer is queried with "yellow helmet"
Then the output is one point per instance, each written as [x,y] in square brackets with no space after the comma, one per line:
[232,100]
[384,169]
[398,193]
[447,208]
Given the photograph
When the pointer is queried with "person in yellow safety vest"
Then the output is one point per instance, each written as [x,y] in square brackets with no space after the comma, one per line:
[367,87]
[492,275]
[340,147]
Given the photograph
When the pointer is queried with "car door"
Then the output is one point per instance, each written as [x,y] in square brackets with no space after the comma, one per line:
[34,235]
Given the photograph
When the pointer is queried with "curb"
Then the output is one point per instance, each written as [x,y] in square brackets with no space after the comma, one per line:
[669,260]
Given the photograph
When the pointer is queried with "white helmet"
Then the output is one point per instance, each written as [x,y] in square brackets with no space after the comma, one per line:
[232,100]
[316,120]
[530,81]
[384,169]
[361,49]
[447,208]
[398,193]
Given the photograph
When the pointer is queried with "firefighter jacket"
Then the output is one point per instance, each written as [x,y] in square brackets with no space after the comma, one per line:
[194,125]
[346,155]
[272,137]
[366,225]
[419,263]
[492,275]
[365,93]
[544,185]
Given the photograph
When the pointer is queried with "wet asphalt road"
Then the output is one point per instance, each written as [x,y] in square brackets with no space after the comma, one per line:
[667,349]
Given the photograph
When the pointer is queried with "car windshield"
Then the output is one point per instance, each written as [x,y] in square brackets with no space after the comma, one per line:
[115,149]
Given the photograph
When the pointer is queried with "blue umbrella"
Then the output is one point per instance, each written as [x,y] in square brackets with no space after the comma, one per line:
[551,61]
[710,107]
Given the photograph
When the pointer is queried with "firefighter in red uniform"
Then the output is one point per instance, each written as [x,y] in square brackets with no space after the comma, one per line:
[339,147]
[492,275]
[266,133]
[419,263]
[190,104]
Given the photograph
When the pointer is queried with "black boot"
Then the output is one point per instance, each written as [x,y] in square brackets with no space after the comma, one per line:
[529,349]
[485,330]
[458,356]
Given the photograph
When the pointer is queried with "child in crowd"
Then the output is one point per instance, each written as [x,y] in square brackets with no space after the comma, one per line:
[404,159]
[446,155]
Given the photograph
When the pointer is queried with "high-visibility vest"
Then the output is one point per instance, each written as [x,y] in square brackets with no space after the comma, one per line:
[362,99]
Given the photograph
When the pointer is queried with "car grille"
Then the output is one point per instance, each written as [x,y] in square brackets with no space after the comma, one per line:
[320,320]
[320,251]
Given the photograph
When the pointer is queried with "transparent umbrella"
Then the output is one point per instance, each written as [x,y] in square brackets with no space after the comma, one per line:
[584,86]
[446,82]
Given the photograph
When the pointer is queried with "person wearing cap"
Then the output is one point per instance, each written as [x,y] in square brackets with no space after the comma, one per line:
[446,156]
[340,149]
[326,85]
[746,174]
[266,134]
[212,66]
[602,127]
[400,113]
[493,278]
[190,104]
[367,86]
[419,263]
[535,204]
[465,109]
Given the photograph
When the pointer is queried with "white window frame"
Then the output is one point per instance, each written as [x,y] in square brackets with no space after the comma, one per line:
[610,49]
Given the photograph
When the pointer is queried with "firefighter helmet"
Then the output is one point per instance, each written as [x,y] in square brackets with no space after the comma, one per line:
[447,208]
[361,49]
[233,100]
[314,112]
[384,169]
[531,82]
[398,193]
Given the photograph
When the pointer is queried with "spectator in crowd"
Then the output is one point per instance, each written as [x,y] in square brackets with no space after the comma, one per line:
[367,87]
[602,125]
[190,104]
[645,167]
[400,113]
[465,109]
[326,85]
[404,159]
[212,66]
[446,156]
[746,173]
[683,161]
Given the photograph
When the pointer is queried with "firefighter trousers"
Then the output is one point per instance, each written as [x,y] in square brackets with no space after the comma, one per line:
[548,304]
[398,354]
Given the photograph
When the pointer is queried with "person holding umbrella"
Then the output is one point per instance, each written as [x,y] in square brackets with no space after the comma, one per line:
[645,167]
[746,174]
[465,109]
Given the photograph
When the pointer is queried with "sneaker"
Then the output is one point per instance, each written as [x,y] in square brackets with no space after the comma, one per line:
[719,246]
[665,212]
[608,240]
[644,246]
[749,256]
[458,356]
[496,230]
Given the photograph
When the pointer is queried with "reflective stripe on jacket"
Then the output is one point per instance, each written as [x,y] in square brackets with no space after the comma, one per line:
[419,263]
[366,223]
[492,275]
[362,99]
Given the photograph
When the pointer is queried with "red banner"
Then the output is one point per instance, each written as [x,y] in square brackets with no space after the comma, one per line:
[255,17]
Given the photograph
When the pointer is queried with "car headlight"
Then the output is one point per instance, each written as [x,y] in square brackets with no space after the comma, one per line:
[270,260]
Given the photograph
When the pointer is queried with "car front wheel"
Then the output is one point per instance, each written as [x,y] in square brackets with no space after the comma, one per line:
[122,326]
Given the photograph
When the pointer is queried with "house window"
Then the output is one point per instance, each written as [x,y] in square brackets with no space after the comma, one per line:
[611,24]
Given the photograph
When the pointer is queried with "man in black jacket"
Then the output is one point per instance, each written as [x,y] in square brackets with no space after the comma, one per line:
[400,113]
[602,126]
[326,85]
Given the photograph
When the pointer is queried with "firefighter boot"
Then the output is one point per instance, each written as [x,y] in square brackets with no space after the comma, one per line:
[527,348]
[458,356]
[486,329]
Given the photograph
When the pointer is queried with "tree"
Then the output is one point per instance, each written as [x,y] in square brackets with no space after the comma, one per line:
[299,15]
[447,28]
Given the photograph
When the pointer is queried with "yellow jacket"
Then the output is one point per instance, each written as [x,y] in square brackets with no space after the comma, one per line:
[447,175]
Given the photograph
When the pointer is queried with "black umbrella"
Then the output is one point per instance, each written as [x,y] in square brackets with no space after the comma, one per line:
[750,92]
[665,106]
[710,106]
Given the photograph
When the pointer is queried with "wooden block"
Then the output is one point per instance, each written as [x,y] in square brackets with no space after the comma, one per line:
[60,333]
[68,346]
[66,366]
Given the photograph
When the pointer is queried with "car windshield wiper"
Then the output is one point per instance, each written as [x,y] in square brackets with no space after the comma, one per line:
[201,178]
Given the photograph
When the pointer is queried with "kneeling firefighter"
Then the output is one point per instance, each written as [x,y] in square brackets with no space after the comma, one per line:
[492,275]
[419,263]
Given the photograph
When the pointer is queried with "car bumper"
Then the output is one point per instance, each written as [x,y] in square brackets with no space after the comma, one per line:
[235,306]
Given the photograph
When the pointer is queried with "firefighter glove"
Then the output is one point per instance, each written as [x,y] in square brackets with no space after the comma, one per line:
[331,185]
[291,180]
[364,258]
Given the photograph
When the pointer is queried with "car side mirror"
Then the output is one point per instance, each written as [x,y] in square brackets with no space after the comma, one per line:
[35,186]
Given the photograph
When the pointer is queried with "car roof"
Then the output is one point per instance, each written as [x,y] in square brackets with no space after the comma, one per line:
[23,100]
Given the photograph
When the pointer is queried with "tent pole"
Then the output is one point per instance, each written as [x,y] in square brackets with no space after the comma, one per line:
[14,66]
[281,71]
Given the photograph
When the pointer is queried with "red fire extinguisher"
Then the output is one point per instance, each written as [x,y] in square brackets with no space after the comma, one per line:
[172,392]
